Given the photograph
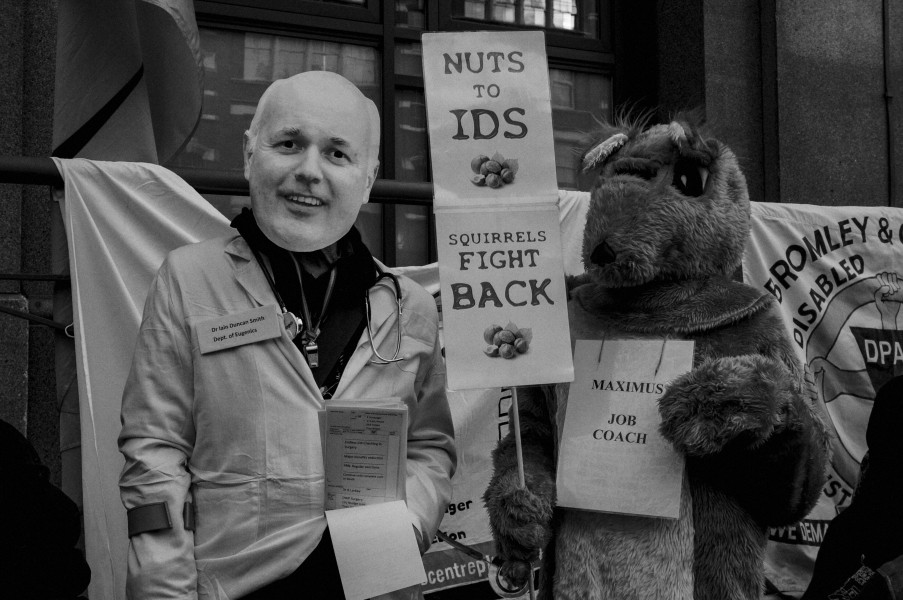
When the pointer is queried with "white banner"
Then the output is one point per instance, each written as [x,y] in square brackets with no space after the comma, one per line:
[481,420]
[121,219]
[836,274]
[128,86]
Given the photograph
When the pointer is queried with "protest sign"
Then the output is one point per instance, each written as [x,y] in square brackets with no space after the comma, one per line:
[500,258]
[612,457]
[482,418]
[487,97]
[835,274]
[503,297]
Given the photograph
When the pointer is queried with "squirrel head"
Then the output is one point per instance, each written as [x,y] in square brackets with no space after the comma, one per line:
[668,203]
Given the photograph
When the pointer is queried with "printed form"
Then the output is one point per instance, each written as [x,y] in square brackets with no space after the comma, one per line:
[365,450]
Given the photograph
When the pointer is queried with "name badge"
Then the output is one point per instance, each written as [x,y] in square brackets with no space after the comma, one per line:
[238,329]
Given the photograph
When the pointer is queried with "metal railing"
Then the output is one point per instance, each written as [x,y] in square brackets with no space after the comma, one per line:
[36,170]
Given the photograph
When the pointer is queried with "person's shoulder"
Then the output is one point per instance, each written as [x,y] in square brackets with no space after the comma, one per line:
[204,248]
[191,259]
[415,296]
[891,389]
[200,251]
[420,314]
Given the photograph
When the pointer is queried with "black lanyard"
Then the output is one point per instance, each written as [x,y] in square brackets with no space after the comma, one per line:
[291,322]
[312,331]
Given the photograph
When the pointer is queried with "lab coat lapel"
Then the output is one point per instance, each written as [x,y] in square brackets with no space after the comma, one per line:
[250,277]
[382,323]
[248,273]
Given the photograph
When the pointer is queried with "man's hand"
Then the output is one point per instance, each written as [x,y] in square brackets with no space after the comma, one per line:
[419,537]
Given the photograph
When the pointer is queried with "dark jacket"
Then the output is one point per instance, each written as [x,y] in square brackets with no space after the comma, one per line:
[40,525]
[870,531]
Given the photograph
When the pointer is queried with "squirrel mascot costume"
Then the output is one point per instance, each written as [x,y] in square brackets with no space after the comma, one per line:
[666,228]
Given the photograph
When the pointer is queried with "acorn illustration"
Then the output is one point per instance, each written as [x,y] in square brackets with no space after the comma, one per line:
[506,342]
[477,162]
[493,171]
[489,334]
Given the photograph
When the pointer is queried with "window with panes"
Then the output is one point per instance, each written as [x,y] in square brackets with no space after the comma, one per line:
[246,44]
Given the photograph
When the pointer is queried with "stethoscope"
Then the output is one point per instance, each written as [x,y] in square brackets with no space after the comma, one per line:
[380,275]
[294,325]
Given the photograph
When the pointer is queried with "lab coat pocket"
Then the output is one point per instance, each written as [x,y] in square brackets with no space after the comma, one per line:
[228,520]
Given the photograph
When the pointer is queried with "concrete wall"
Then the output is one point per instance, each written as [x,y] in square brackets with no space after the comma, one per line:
[704,54]
[832,124]
[733,85]
[795,87]
[13,333]
[27,383]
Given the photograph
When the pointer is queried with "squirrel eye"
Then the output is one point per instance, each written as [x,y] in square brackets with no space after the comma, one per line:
[643,171]
[690,178]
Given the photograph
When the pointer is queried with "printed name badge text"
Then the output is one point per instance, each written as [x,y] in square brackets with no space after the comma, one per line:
[238,329]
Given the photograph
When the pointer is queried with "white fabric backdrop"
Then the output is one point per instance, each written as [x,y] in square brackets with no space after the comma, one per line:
[122,218]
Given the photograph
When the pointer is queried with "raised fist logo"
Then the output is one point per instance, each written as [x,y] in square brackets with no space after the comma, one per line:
[888,296]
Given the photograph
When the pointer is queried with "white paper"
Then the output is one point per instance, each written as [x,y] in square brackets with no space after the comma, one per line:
[365,451]
[375,549]
[612,457]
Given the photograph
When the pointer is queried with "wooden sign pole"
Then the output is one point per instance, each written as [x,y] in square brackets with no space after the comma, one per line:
[521,480]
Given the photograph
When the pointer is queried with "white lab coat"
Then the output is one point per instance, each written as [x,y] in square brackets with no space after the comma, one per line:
[239,428]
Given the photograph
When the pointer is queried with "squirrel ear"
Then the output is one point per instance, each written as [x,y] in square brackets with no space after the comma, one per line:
[677,133]
[690,142]
[603,150]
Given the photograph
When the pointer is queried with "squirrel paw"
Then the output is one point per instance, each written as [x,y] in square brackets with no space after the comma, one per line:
[520,518]
[740,400]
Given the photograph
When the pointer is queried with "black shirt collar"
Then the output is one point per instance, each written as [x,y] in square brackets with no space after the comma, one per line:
[355,275]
